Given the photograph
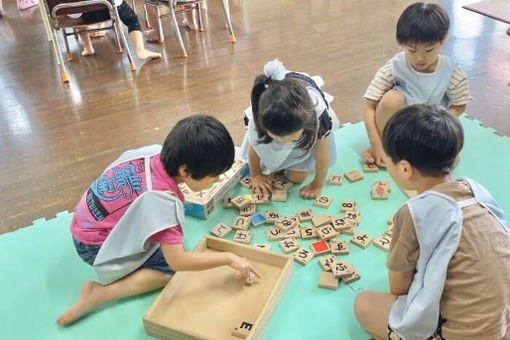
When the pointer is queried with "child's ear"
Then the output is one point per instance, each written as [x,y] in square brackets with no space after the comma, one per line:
[406,168]
[443,40]
[183,171]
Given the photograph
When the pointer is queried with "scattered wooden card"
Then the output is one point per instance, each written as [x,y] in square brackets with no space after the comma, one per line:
[274,234]
[283,184]
[320,247]
[289,245]
[241,223]
[340,223]
[243,236]
[383,242]
[286,223]
[362,240]
[380,191]
[341,269]
[348,206]
[260,198]
[272,216]
[227,203]
[322,202]
[320,220]
[305,215]
[354,216]
[350,230]
[370,167]
[353,277]
[240,201]
[339,247]
[326,261]
[327,232]
[248,210]
[308,233]
[328,281]
[279,195]
[303,256]
[242,329]
[389,231]
[294,232]
[221,230]
[353,176]
[335,179]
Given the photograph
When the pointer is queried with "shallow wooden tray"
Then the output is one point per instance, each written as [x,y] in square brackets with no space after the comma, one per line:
[209,304]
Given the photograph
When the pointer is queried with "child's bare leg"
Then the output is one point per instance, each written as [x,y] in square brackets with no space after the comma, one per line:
[24,4]
[296,176]
[153,35]
[390,103]
[1,8]
[93,294]
[372,309]
[88,49]
[98,34]
[189,19]
[141,52]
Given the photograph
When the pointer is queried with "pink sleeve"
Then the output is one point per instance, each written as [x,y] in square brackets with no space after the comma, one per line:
[172,235]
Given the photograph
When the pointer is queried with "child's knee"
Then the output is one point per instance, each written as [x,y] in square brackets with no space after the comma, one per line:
[297,176]
[393,100]
[360,306]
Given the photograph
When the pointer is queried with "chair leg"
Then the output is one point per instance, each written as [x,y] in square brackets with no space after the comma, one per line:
[117,38]
[68,52]
[60,60]
[133,5]
[226,11]
[184,54]
[146,17]
[199,15]
[132,65]
[160,26]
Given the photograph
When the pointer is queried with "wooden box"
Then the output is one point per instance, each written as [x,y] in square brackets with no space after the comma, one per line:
[200,204]
[209,304]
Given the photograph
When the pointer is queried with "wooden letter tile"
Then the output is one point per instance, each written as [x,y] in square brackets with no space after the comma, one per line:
[328,281]
[241,223]
[279,195]
[221,230]
[327,232]
[389,231]
[383,242]
[260,198]
[289,245]
[340,223]
[370,167]
[248,210]
[286,223]
[308,233]
[274,234]
[305,215]
[350,230]
[322,202]
[227,203]
[339,247]
[353,277]
[294,232]
[320,247]
[335,179]
[341,269]
[303,256]
[242,236]
[326,262]
[353,176]
[321,220]
[362,240]
[240,201]
[242,329]
[246,182]
[354,216]
[272,216]
[283,184]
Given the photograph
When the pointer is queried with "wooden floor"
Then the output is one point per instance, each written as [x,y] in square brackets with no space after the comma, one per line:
[56,138]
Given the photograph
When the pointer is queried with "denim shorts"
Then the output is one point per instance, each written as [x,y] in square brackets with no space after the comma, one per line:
[88,253]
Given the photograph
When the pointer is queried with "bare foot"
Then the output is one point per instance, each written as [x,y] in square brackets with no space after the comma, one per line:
[147,55]
[97,34]
[152,36]
[87,52]
[89,299]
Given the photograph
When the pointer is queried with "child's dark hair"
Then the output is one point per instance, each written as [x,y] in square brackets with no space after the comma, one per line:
[422,23]
[283,107]
[427,136]
[202,144]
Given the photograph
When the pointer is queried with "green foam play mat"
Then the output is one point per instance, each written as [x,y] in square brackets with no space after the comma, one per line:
[41,274]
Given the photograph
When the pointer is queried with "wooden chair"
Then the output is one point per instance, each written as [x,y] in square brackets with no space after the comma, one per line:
[181,6]
[57,12]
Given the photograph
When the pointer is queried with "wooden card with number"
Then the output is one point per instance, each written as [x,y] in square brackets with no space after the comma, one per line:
[308,233]
[362,240]
[348,206]
[242,328]
[303,256]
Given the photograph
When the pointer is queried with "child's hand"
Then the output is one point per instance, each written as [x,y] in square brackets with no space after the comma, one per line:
[261,184]
[378,154]
[311,190]
[243,267]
